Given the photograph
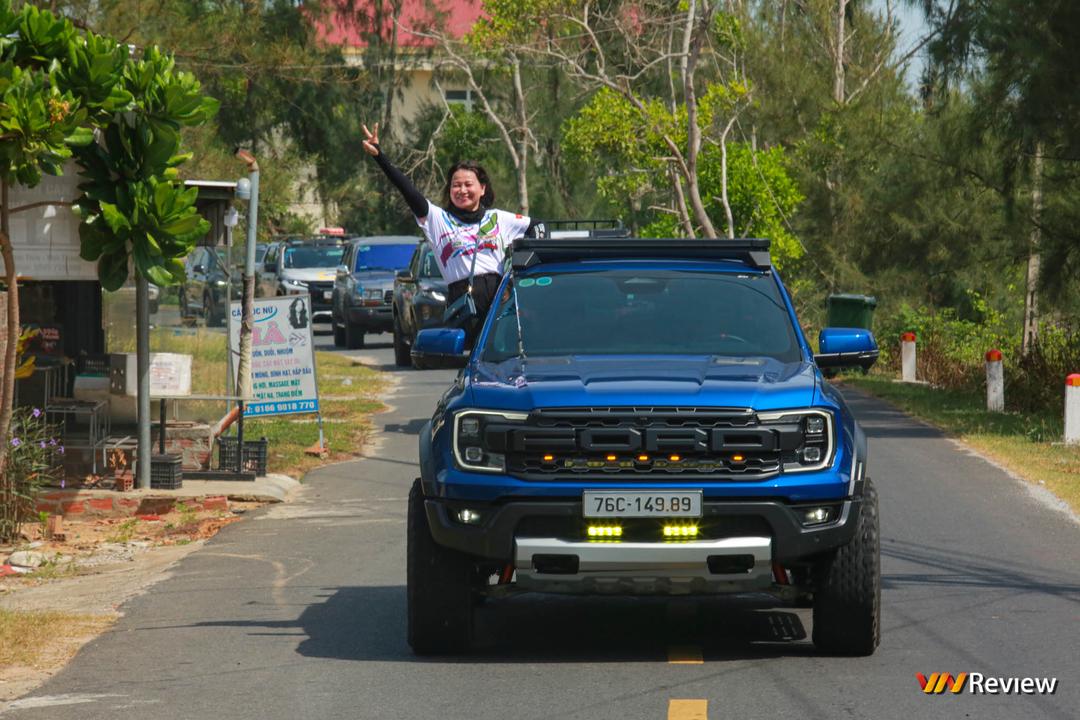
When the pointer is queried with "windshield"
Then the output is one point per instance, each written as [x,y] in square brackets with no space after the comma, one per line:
[310,256]
[383,257]
[643,312]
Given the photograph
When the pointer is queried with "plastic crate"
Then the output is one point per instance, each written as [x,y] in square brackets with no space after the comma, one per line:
[254,459]
[166,472]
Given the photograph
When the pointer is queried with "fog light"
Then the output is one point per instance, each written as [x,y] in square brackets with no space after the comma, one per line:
[680,531]
[816,516]
[815,424]
[474,454]
[470,426]
[812,454]
[604,531]
[468,517]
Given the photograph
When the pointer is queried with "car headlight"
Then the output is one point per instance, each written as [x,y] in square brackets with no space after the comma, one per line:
[374,294]
[814,436]
[294,286]
[473,449]
[436,295]
[220,283]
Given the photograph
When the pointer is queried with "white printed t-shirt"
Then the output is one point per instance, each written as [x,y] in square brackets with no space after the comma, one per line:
[454,241]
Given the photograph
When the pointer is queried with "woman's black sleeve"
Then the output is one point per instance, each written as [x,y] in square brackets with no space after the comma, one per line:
[536,229]
[413,197]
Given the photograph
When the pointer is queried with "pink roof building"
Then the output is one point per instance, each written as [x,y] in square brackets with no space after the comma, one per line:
[354,24]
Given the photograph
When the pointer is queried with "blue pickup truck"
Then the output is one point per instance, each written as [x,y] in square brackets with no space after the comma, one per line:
[643,417]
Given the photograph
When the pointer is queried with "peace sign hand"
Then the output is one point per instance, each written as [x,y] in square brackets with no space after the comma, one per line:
[371,144]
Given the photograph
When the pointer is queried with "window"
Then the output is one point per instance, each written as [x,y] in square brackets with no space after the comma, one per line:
[460,97]
[381,257]
[429,269]
[312,256]
[645,312]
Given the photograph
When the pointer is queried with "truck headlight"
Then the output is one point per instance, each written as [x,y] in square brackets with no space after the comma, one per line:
[473,446]
[294,287]
[810,437]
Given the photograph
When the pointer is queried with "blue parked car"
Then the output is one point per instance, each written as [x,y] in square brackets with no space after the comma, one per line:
[643,417]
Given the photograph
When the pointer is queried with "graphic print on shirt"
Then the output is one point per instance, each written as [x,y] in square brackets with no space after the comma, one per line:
[455,242]
[462,240]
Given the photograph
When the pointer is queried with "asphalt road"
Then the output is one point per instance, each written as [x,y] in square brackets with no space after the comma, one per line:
[298,612]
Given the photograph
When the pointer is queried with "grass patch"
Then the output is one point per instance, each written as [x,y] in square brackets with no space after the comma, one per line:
[38,638]
[348,393]
[1028,444]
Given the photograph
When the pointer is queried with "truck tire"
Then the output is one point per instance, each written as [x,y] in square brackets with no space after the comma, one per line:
[354,336]
[402,358]
[439,588]
[339,333]
[847,594]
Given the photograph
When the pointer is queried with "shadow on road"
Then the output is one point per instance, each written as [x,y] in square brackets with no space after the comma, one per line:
[368,623]
[946,567]
[412,427]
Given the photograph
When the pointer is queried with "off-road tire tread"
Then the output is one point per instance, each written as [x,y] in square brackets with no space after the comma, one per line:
[847,596]
[439,588]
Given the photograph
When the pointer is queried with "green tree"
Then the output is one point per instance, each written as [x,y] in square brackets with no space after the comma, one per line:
[60,88]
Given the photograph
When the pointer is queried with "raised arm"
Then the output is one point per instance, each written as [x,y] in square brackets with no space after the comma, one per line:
[413,197]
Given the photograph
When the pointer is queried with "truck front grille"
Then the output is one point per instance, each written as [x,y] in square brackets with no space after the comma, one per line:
[645,443]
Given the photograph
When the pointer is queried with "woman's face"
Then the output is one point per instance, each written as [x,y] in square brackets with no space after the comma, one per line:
[466,190]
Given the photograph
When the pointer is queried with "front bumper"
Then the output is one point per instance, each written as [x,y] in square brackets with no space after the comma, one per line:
[379,318]
[738,564]
[512,528]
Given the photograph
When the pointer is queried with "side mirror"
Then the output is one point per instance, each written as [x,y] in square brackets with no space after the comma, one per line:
[404,275]
[846,348]
[199,268]
[342,270]
[440,348]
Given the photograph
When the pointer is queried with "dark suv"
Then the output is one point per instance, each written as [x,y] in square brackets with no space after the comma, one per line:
[364,287]
[643,417]
[204,292]
[419,301]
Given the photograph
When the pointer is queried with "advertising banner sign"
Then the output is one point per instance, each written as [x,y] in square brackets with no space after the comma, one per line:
[282,356]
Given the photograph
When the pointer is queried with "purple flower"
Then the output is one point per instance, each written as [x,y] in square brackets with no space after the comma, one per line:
[15,442]
[60,449]
[42,444]
[37,413]
[63,482]
[52,441]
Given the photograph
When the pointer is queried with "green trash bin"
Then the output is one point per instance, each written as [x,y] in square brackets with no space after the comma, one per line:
[850,311]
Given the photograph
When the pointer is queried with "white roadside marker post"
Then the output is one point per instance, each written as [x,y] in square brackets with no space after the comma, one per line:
[1072,409]
[995,382]
[907,357]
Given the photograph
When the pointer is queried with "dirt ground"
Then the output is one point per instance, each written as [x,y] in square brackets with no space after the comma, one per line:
[85,578]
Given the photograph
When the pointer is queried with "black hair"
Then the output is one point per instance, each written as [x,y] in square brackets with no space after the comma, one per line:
[487,200]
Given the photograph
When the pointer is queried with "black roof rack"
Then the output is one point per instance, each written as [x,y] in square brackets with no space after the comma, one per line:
[527,252]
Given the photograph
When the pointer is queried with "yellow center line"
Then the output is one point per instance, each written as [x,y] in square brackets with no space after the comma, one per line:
[684,655]
[688,710]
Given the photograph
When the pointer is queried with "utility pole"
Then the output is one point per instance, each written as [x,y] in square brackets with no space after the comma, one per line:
[247,321]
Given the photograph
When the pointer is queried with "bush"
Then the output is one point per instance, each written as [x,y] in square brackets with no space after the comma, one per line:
[952,354]
[33,460]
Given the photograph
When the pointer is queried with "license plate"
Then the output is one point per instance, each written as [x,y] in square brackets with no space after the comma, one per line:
[642,503]
[328,295]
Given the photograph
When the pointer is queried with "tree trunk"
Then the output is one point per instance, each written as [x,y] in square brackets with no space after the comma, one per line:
[7,385]
[688,65]
[521,164]
[838,54]
[1031,296]
[388,109]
